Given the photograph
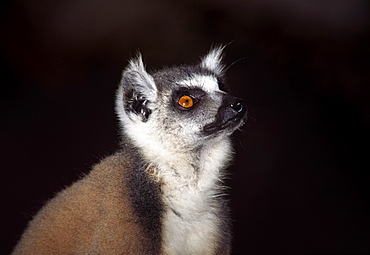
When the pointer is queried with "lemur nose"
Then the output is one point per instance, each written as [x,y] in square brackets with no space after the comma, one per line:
[238,106]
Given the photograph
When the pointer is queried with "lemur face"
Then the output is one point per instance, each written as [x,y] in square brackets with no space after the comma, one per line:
[197,105]
[185,105]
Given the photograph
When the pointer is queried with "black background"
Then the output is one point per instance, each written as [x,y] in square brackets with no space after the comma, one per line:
[299,184]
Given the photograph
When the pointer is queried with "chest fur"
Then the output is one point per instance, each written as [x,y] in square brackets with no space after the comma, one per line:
[193,215]
[190,223]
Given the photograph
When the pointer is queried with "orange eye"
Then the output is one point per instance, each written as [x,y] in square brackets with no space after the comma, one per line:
[186,101]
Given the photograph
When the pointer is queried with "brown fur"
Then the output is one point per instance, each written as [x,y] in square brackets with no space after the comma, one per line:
[93,216]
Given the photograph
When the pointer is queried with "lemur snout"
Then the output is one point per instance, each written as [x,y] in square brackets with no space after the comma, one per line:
[230,116]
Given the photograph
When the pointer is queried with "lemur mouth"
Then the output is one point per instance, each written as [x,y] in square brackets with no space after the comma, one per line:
[231,124]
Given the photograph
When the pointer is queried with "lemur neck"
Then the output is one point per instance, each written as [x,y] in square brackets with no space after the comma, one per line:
[199,168]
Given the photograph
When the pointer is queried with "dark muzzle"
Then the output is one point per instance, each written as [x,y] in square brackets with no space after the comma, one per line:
[229,117]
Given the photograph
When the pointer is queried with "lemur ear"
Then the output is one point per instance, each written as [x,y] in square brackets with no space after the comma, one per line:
[141,81]
[137,89]
[212,61]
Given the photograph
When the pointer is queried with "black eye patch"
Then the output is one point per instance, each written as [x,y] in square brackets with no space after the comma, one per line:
[195,93]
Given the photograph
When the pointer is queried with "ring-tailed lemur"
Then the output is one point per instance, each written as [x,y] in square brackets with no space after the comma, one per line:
[162,192]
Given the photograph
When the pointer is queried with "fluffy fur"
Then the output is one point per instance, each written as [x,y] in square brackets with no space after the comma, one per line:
[93,216]
[162,193]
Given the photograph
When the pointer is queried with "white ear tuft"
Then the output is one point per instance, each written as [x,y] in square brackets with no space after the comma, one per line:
[212,61]
[140,79]
[136,65]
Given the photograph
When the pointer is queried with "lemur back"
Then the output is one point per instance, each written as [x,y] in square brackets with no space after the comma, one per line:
[162,192]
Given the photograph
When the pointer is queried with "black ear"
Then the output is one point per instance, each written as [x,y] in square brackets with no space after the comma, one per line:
[137,90]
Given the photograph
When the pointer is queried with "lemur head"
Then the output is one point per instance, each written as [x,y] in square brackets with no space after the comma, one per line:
[177,109]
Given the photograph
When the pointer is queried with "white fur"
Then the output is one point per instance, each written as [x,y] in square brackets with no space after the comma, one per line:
[195,231]
[205,82]
[212,61]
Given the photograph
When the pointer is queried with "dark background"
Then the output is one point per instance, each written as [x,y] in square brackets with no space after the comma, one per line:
[299,184]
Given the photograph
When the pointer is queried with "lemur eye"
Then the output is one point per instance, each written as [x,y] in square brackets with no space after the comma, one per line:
[186,101]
